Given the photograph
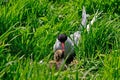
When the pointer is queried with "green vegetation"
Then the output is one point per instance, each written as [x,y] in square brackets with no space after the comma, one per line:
[28,30]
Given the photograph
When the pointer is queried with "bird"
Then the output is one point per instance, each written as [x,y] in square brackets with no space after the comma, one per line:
[58,56]
[58,61]
[66,43]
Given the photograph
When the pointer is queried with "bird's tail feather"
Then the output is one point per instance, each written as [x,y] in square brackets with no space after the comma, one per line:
[93,20]
[76,36]
[84,19]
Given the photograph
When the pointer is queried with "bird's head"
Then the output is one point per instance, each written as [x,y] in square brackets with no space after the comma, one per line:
[62,38]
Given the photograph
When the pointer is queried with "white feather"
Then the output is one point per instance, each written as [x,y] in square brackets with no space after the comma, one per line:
[84,17]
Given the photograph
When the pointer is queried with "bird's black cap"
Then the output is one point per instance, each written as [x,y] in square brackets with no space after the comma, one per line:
[62,37]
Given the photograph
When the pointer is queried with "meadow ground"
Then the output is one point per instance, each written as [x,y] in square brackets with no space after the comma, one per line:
[28,30]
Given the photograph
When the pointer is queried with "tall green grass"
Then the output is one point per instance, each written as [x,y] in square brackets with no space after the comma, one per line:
[28,30]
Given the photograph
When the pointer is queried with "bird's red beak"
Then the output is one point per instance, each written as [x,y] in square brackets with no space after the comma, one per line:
[63,46]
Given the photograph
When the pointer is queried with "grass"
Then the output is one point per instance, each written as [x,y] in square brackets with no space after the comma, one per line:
[28,30]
